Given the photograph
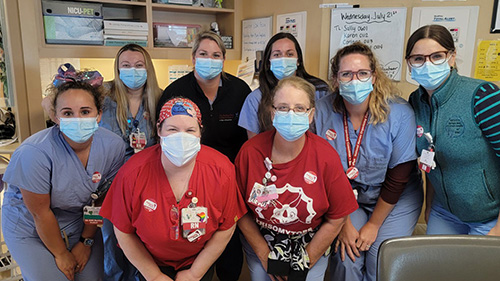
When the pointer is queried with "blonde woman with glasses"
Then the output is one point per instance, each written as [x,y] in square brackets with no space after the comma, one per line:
[373,130]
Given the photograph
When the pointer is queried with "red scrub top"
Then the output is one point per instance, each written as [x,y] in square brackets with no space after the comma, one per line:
[140,201]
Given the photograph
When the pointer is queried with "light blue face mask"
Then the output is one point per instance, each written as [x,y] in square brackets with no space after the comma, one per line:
[180,147]
[283,67]
[208,68]
[133,78]
[291,126]
[355,91]
[431,76]
[78,130]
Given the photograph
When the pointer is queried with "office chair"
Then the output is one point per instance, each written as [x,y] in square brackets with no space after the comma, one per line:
[439,258]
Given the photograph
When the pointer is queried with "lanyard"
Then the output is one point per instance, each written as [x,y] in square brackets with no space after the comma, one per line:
[352,158]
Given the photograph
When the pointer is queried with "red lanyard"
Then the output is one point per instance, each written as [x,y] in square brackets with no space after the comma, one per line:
[350,157]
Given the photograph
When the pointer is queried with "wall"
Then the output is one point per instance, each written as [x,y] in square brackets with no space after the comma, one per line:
[318,23]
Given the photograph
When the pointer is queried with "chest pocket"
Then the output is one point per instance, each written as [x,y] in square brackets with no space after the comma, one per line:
[377,163]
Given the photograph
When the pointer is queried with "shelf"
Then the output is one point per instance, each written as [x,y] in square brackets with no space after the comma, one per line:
[190,9]
[114,2]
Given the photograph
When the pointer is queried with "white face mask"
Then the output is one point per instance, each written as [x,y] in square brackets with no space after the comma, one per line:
[180,147]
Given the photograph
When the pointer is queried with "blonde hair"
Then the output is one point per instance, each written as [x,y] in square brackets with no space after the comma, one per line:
[208,35]
[150,95]
[383,92]
[299,84]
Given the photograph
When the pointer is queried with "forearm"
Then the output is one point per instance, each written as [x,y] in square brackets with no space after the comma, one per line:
[253,236]
[49,232]
[89,231]
[211,252]
[380,213]
[324,238]
[138,255]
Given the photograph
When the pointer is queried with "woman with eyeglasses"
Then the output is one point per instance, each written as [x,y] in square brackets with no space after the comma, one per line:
[174,206]
[373,130]
[282,58]
[296,191]
[458,137]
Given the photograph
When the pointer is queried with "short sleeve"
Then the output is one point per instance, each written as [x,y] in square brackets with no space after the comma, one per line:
[404,134]
[248,115]
[117,206]
[487,113]
[235,207]
[30,169]
[339,190]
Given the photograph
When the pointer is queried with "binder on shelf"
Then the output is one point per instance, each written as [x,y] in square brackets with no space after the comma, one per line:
[182,2]
[127,25]
[126,32]
[174,35]
[125,37]
[119,43]
[72,23]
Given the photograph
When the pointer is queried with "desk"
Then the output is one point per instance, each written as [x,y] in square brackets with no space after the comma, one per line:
[9,149]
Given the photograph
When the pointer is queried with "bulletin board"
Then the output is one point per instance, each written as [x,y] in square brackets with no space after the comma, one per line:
[254,36]
[370,26]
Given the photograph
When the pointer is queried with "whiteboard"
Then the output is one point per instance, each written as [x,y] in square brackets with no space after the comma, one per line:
[254,36]
[461,21]
[383,29]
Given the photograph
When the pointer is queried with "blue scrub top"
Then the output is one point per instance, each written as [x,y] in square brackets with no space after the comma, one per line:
[248,116]
[384,146]
[109,121]
[46,164]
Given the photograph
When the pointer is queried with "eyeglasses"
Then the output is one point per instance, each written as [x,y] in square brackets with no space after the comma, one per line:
[174,219]
[284,109]
[435,58]
[363,75]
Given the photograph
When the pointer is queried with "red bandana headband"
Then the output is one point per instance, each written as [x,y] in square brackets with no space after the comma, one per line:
[179,106]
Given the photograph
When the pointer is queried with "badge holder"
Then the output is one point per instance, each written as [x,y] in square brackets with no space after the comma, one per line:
[91,212]
[194,221]
[426,159]
[138,140]
[263,194]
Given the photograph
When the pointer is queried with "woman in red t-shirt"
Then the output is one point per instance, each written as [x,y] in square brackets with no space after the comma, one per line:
[295,189]
[174,206]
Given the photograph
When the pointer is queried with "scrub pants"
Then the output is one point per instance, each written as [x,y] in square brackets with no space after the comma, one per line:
[37,263]
[116,265]
[442,221]
[400,222]
[257,272]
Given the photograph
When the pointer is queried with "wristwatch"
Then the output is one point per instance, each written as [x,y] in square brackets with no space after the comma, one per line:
[87,241]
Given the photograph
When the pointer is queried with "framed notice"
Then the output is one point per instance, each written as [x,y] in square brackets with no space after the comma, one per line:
[495,19]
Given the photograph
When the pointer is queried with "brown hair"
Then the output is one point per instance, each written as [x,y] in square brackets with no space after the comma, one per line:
[95,92]
[150,95]
[435,32]
[268,81]
[208,35]
[383,88]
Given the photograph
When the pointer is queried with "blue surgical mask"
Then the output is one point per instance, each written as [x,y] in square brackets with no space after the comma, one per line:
[208,68]
[355,91]
[283,67]
[291,126]
[78,129]
[133,78]
[180,147]
[431,76]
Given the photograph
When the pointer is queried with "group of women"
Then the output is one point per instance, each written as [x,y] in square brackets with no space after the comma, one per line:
[326,175]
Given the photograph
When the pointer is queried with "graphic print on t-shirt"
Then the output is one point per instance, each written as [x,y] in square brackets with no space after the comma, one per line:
[292,206]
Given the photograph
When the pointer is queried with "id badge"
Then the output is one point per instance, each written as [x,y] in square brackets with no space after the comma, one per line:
[138,140]
[91,215]
[257,192]
[427,160]
[269,193]
[194,222]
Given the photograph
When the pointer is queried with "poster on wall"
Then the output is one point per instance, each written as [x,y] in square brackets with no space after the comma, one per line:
[371,26]
[488,60]
[294,23]
[254,36]
[461,21]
